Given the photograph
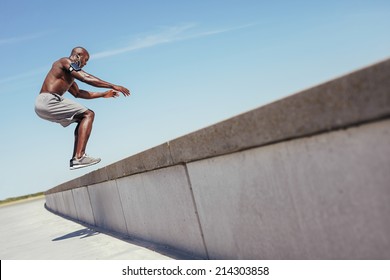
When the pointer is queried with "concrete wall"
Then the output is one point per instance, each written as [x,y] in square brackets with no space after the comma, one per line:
[306,177]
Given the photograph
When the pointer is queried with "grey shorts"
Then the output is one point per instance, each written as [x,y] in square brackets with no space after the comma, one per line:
[55,108]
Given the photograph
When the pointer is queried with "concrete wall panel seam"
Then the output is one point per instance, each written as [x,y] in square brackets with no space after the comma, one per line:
[90,203]
[121,205]
[196,210]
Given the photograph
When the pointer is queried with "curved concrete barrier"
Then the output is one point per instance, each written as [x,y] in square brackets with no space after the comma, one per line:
[306,177]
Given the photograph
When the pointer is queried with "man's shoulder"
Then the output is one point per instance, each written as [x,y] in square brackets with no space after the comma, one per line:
[60,66]
[63,61]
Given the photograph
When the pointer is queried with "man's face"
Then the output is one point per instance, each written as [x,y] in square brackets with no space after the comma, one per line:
[83,60]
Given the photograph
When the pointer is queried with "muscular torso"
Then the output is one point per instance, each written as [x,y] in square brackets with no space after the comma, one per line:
[59,79]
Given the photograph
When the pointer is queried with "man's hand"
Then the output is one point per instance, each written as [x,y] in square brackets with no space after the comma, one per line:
[121,89]
[110,93]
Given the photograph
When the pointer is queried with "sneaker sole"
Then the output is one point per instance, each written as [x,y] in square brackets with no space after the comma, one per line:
[83,165]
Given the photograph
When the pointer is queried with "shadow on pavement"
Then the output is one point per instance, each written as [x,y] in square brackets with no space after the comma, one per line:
[83,233]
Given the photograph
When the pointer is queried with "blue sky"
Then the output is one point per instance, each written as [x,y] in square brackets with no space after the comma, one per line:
[188,64]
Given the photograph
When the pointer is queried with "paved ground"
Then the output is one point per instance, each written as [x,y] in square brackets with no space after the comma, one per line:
[29,232]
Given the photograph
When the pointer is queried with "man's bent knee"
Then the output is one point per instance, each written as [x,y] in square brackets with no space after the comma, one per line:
[87,114]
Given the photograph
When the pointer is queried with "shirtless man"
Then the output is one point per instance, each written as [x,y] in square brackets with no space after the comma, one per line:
[51,106]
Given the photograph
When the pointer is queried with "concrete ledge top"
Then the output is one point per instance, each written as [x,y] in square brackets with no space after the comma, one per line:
[356,98]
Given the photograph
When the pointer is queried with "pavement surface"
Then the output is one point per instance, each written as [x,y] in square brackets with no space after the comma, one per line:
[29,232]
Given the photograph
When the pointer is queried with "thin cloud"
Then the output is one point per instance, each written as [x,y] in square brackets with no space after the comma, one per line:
[22,38]
[23,76]
[167,35]
[216,31]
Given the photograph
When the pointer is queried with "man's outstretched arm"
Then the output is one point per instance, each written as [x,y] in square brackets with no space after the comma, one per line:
[79,93]
[96,82]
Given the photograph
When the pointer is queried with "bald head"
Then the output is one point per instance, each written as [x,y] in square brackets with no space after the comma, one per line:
[80,56]
[79,51]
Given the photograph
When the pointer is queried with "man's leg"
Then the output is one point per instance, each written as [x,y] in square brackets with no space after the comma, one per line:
[76,133]
[81,136]
[82,132]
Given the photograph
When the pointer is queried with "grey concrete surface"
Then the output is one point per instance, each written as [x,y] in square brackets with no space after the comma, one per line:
[29,232]
[107,207]
[69,204]
[59,203]
[83,205]
[320,197]
[159,207]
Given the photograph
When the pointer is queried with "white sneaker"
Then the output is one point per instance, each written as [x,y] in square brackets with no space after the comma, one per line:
[84,161]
